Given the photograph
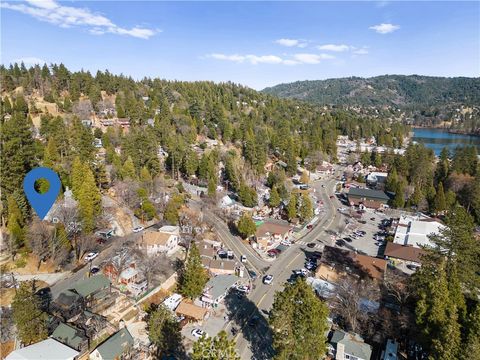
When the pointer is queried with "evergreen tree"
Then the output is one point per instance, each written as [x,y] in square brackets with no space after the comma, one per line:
[164,331]
[305,210]
[274,199]
[128,169]
[30,321]
[299,323]
[216,348]
[15,226]
[171,212]
[89,201]
[194,276]
[292,207]
[471,349]
[17,152]
[212,187]
[440,202]
[246,226]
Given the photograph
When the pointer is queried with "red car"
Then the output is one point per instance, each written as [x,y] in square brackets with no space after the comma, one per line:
[310,227]
[332,197]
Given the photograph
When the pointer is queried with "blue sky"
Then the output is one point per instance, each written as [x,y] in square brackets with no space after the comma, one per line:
[257,44]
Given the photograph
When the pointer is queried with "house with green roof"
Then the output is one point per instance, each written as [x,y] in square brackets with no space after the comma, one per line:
[92,285]
[71,336]
[348,346]
[112,348]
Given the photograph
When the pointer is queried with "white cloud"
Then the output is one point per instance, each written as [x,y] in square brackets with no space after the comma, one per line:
[295,59]
[68,16]
[361,51]
[291,43]
[334,47]
[312,58]
[384,28]
[30,61]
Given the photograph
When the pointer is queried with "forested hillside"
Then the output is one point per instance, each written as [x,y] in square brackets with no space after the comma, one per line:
[423,100]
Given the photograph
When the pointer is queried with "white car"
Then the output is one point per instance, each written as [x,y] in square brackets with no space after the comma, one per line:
[302,272]
[138,229]
[286,242]
[198,333]
[90,256]
[243,288]
[243,258]
[267,280]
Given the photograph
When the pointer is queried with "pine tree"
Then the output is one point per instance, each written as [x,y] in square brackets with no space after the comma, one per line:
[15,226]
[299,323]
[30,321]
[305,210]
[164,331]
[212,187]
[246,226]
[51,155]
[471,348]
[292,207]
[128,169]
[274,199]
[440,202]
[76,175]
[89,201]
[216,348]
[17,153]
[194,276]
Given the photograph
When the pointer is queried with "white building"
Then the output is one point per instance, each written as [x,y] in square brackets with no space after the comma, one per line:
[416,232]
[165,240]
[172,301]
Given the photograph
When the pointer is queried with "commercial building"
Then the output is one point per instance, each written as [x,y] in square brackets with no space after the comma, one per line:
[369,198]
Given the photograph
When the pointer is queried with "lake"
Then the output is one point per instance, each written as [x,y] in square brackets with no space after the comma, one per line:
[437,139]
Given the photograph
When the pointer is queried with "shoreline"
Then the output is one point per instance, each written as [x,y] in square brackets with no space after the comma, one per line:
[447,130]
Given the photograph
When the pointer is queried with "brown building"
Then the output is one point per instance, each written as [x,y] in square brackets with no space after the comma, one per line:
[336,263]
[271,232]
[408,254]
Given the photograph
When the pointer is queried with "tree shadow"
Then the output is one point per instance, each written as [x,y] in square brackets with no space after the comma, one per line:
[252,324]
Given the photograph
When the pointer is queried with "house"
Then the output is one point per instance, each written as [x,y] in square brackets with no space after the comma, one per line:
[87,123]
[71,336]
[226,201]
[217,288]
[112,348]
[220,266]
[369,198]
[336,262]
[67,305]
[416,232]
[391,350]
[48,349]
[191,312]
[404,253]
[206,250]
[165,240]
[96,291]
[271,232]
[346,346]
[129,275]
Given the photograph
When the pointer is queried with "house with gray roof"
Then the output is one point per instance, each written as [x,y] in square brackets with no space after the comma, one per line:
[217,288]
[112,348]
[369,198]
[71,336]
[44,350]
[92,285]
[348,346]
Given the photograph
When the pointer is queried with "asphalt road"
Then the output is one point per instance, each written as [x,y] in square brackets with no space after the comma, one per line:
[253,341]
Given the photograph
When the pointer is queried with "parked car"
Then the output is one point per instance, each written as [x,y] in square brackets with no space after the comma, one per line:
[222,254]
[347,239]
[309,226]
[311,245]
[94,270]
[198,333]
[301,272]
[138,229]
[286,242]
[90,256]
[310,266]
[372,218]
[267,280]
[243,288]
[252,274]
[243,258]
[340,242]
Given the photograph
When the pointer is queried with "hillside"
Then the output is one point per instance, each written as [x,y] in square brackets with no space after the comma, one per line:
[384,90]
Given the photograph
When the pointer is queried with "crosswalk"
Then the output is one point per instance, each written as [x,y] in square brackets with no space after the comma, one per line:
[317,246]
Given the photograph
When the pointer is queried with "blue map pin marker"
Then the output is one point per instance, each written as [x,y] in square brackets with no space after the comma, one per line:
[41,203]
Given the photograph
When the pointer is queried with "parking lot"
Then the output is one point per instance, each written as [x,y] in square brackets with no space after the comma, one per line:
[365,244]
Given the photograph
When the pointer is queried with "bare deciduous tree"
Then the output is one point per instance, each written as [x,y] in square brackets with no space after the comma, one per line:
[350,294]
[39,235]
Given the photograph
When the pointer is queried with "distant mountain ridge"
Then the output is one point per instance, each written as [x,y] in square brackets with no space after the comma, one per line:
[394,90]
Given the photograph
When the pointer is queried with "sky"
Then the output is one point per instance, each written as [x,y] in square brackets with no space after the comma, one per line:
[257,44]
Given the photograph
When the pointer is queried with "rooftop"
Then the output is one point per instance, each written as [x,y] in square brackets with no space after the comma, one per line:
[368,193]
[116,344]
[47,349]
[346,261]
[191,311]
[91,285]
[403,252]
[218,285]
[353,344]
[69,335]
[155,238]
[270,227]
